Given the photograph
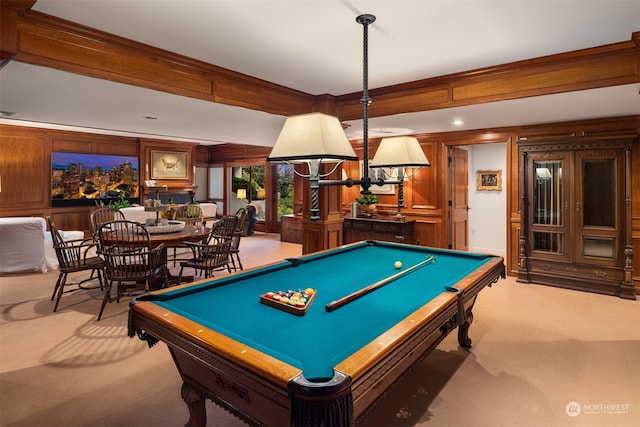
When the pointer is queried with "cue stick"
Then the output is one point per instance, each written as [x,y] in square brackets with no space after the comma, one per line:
[362,292]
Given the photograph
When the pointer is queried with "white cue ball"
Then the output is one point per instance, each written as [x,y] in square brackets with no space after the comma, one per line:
[398,265]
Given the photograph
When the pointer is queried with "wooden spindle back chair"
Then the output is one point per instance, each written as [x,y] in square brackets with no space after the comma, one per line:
[74,256]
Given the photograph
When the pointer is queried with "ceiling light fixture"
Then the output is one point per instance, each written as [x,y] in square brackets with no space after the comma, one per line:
[457,122]
[319,138]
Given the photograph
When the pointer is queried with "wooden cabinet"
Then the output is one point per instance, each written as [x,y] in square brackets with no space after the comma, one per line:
[291,229]
[575,212]
[356,229]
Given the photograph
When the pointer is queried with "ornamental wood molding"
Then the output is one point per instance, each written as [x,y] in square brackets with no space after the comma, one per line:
[40,39]
[52,42]
[9,13]
[609,65]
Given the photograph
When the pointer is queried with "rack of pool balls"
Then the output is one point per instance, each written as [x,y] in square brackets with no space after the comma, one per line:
[296,302]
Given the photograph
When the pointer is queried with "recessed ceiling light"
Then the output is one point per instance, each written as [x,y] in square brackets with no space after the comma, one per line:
[150,117]
[457,122]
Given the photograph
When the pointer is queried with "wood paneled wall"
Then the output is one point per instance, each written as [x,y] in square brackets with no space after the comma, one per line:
[25,169]
[426,197]
[25,163]
[24,178]
[35,38]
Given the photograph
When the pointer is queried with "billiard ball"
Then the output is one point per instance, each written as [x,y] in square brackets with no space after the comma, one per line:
[398,265]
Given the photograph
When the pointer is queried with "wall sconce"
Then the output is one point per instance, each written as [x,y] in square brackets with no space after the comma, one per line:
[319,138]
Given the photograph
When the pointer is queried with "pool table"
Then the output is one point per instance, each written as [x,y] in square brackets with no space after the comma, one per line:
[320,367]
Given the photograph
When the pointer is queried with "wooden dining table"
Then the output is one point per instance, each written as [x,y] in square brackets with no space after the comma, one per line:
[172,239]
[177,238]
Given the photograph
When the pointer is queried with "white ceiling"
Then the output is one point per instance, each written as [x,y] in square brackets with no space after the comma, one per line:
[316,46]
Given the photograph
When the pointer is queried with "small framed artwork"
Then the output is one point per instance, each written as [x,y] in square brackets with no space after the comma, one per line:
[489,180]
[169,165]
[380,173]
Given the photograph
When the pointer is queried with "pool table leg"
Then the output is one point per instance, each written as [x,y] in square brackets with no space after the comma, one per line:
[463,331]
[196,404]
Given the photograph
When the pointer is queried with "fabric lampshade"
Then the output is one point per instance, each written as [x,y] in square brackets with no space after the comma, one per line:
[399,151]
[314,136]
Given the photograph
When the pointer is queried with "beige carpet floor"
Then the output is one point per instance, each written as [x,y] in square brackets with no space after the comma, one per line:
[541,356]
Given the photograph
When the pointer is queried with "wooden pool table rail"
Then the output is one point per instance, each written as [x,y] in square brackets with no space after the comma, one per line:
[413,339]
[258,388]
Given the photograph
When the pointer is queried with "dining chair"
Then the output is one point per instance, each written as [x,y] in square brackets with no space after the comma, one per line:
[102,215]
[242,218]
[129,259]
[225,230]
[125,264]
[124,233]
[74,256]
[208,258]
[191,215]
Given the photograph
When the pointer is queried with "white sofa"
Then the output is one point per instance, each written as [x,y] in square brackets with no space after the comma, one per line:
[25,245]
[209,211]
[137,214]
[22,245]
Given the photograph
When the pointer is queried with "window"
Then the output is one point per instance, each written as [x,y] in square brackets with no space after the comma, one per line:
[285,189]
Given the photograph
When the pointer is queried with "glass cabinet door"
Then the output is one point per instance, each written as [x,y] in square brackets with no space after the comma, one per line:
[549,205]
[597,216]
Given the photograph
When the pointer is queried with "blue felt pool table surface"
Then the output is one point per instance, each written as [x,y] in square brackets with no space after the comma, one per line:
[317,341]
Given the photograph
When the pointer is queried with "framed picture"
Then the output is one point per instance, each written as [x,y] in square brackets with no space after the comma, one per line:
[378,173]
[489,180]
[169,165]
